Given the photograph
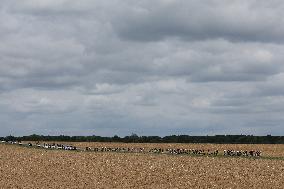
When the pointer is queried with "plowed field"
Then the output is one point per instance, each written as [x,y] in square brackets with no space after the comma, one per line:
[22,167]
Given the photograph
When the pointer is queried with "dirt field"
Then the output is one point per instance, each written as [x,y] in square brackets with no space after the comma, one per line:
[38,168]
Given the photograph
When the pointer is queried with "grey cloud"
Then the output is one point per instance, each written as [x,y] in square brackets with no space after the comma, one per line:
[151,67]
[196,20]
[236,62]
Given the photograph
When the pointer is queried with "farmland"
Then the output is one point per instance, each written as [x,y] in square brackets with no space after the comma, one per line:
[39,168]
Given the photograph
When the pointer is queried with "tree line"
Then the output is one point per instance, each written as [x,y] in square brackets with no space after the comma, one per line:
[134,138]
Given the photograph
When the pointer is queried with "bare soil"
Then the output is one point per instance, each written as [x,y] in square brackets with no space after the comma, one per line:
[22,167]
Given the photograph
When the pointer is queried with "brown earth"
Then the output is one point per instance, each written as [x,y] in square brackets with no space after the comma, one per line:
[22,167]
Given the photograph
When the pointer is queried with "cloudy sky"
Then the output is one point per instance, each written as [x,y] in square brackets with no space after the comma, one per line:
[97,67]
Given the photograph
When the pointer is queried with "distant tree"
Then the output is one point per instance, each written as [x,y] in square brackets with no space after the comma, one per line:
[115,138]
[134,137]
[11,138]
[230,139]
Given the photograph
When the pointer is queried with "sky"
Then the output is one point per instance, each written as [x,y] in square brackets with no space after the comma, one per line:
[163,67]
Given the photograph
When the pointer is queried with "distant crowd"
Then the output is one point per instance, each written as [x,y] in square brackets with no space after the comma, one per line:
[173,151]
